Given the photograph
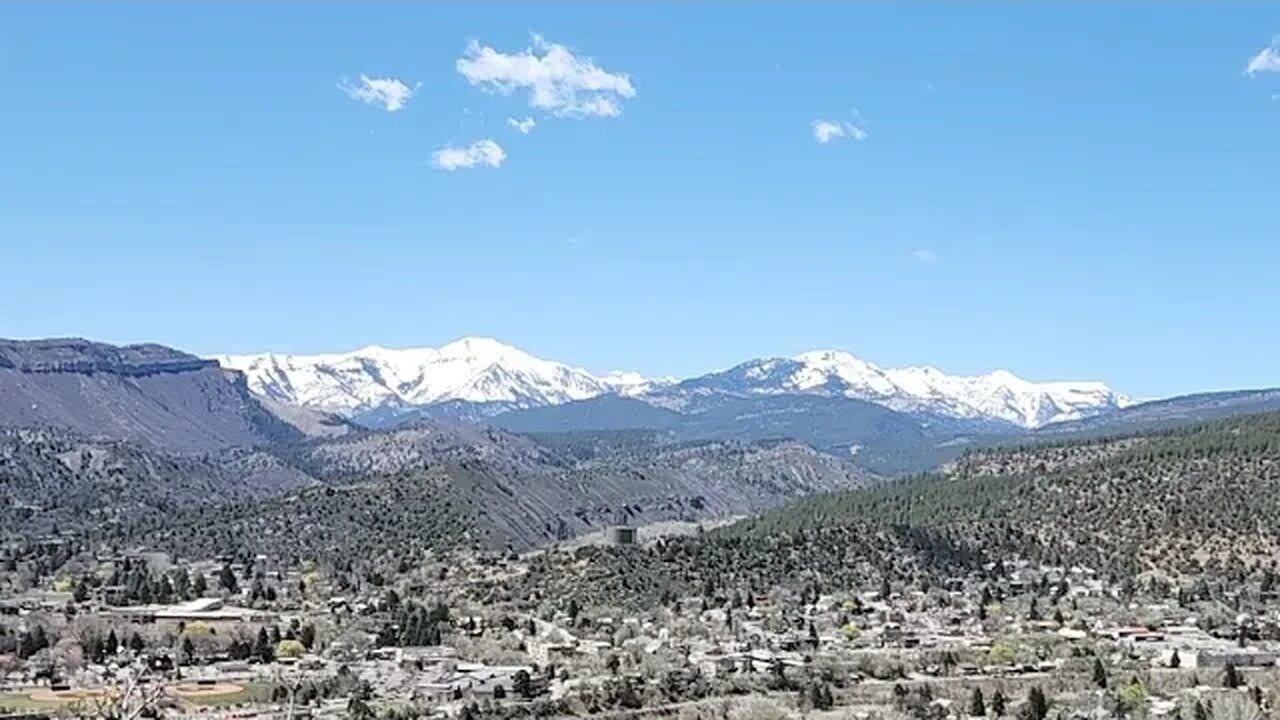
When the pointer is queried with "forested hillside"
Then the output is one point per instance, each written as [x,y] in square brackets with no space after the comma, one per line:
[1198,504]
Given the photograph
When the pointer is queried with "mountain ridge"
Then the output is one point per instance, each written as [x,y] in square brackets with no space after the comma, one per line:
[384,384]
[477,370]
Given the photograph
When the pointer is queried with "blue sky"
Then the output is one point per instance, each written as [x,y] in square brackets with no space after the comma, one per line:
[1066,191]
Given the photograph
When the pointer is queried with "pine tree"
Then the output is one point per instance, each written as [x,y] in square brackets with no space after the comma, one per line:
[227,579]
[182,583]
[81,591]
[1037,704]
[1174,660]
[307,636]
[977,705]
[1099,674]
[522,684]
[1230,677]
[1199,712]
[997,704]
[262,647]
[813,696]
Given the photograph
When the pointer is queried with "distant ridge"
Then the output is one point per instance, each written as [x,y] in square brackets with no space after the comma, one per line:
[1172,412]
[75,355]
[482,377]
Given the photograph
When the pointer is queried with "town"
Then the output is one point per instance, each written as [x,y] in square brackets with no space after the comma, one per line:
[135,634]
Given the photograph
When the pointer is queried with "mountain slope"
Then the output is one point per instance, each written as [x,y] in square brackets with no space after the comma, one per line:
[435,485]
[431,484]
[144,393]
[53,478]
[1194,505]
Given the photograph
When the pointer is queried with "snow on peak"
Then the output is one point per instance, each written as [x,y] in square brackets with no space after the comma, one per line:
[484,370]
[1000,395]
[471,369]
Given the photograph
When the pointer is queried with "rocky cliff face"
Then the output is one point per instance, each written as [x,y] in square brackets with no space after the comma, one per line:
[73,355]
[143,393]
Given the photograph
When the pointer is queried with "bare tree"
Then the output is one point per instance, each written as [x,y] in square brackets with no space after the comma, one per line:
[291,682]
[134,698]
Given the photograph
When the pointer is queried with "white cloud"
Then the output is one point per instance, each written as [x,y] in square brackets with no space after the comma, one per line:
[1267,59]
[824,131]
[482,153]
[926,256]
[558,82]
[390,93]
[524,126]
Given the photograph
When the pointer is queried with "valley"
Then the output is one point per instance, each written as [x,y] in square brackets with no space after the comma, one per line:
[700,548]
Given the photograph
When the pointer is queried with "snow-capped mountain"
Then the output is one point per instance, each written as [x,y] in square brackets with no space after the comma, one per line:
[998,396]
[485,374]
[475,370]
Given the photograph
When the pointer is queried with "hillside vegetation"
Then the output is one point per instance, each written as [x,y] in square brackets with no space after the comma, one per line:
[1198,505]
[429,486]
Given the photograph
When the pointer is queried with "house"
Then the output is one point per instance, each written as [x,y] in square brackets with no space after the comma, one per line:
[442,690]
[461,679]
[1239,657]
[422,657]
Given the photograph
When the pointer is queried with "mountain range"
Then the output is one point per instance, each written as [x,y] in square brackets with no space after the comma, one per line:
[478,436]
[124,439]
[481,377]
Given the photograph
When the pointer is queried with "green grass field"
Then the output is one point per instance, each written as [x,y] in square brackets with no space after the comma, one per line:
[22,702]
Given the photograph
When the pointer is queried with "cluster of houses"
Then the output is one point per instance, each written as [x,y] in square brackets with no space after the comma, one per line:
[1191,646]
